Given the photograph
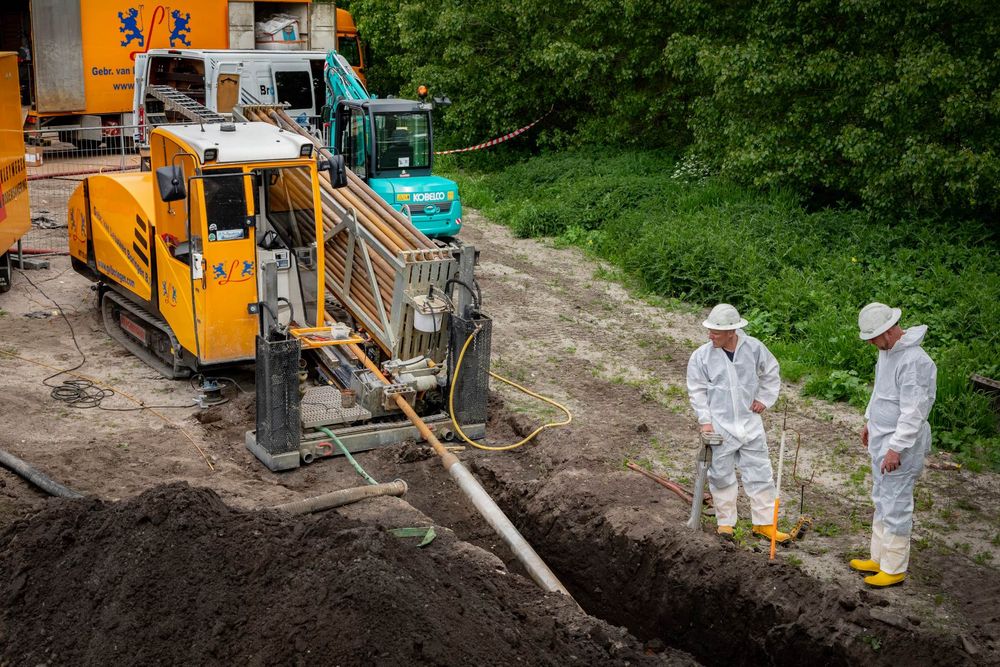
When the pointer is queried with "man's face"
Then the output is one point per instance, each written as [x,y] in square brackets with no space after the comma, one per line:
[884,341]
[722,338]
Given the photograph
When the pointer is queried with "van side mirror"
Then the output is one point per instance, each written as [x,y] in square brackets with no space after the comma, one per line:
[171,182]
[338,172]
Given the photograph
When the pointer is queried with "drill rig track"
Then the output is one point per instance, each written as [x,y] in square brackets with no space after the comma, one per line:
[143,334]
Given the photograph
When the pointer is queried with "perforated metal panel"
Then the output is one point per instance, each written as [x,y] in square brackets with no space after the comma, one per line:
[473,387]
[278,424]
[321,406]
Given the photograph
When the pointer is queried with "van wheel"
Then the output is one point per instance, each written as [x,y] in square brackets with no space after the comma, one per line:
[6,273]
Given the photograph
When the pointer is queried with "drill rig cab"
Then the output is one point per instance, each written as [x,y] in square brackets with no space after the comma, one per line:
[179,252]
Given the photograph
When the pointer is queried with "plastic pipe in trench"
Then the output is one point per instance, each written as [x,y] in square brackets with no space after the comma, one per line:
[19,467]
[470,486]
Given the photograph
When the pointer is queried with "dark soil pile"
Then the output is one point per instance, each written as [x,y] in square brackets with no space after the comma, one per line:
[175,576]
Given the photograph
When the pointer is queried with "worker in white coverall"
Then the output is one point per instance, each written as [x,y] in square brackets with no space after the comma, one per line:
[897,435]
[731,380]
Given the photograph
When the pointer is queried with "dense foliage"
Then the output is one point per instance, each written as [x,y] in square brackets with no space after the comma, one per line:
[895,105]
[800,277]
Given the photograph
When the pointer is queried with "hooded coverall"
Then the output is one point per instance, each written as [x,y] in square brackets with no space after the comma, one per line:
[721,392]
[905,388]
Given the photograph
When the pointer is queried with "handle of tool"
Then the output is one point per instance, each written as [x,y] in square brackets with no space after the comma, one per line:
[698,497]
[777,493]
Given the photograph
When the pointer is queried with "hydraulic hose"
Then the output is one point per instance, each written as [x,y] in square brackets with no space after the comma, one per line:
[343,497]
[343,450]
[46,484]
[530,436]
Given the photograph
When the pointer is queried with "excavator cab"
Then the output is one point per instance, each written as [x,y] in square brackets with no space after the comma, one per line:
[389,144]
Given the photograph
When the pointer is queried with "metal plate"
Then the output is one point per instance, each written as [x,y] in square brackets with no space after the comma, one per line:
[321,407]
[133,328]
[58,55]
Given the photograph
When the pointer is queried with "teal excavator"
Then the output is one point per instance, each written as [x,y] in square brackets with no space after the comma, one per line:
[389,143]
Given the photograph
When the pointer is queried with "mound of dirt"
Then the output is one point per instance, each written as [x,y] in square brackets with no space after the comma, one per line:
[175,576]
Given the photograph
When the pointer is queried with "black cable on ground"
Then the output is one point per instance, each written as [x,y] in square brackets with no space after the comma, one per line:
[22,469]
[84,393]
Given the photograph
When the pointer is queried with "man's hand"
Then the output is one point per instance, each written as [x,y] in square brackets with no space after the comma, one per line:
[757,406]
[707,428]
[864,435]
[890,462]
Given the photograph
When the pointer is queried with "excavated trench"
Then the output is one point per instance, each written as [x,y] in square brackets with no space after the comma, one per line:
[630,561]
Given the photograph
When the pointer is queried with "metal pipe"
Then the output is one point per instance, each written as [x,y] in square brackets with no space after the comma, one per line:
[393,219]
[343,497]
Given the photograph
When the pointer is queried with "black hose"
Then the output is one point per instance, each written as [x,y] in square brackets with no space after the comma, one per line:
[46,484]
[477,296]
[291,309]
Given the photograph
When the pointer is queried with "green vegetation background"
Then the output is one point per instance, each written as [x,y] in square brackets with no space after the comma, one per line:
[797,158]
[800,277]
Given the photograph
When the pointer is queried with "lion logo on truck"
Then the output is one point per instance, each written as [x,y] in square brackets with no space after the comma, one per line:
[180,30]
[130,27]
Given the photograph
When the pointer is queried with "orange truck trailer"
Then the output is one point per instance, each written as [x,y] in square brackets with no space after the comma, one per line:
[76,57]
[15,214]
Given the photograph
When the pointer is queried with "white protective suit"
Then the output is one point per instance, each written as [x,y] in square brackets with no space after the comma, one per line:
[905,388]
[721,392]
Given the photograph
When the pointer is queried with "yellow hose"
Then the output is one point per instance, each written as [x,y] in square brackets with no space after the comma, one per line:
[530,436]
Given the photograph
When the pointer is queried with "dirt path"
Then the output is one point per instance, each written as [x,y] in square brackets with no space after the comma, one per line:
[618,363]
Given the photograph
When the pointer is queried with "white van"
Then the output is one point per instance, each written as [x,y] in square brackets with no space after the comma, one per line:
[221,79]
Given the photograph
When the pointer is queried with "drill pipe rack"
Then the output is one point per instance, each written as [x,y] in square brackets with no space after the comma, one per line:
[382,266]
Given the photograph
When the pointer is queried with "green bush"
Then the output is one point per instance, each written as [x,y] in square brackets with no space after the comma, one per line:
[893,105]
[800,276]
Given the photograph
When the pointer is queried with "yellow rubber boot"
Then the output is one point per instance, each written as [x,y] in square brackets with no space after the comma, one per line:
[768,530]
[883,579]
[725,531]
[864,565]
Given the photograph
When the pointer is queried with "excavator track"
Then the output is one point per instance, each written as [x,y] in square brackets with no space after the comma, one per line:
[143,334]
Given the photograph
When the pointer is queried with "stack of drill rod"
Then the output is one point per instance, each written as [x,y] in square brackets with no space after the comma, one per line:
[390,228]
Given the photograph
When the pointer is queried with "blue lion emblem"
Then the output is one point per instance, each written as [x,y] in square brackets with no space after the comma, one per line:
[180,26]
[247,269]
[130,27]
[219,271]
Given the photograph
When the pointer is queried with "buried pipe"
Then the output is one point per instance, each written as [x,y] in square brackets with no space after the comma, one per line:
[474,491]
[46,484]
[342,497]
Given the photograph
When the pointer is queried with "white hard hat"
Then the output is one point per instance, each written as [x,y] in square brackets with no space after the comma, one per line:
[724,318]
[877,318]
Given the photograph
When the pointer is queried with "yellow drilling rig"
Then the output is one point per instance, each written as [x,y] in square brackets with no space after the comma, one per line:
[236,247]
[233,249]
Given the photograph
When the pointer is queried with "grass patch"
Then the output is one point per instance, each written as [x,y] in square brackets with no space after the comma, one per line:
[983,557]
[798,276]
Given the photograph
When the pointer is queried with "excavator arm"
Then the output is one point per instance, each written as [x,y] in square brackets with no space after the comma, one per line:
[341,81]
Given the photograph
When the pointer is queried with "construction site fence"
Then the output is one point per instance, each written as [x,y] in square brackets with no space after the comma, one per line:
[66,152]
